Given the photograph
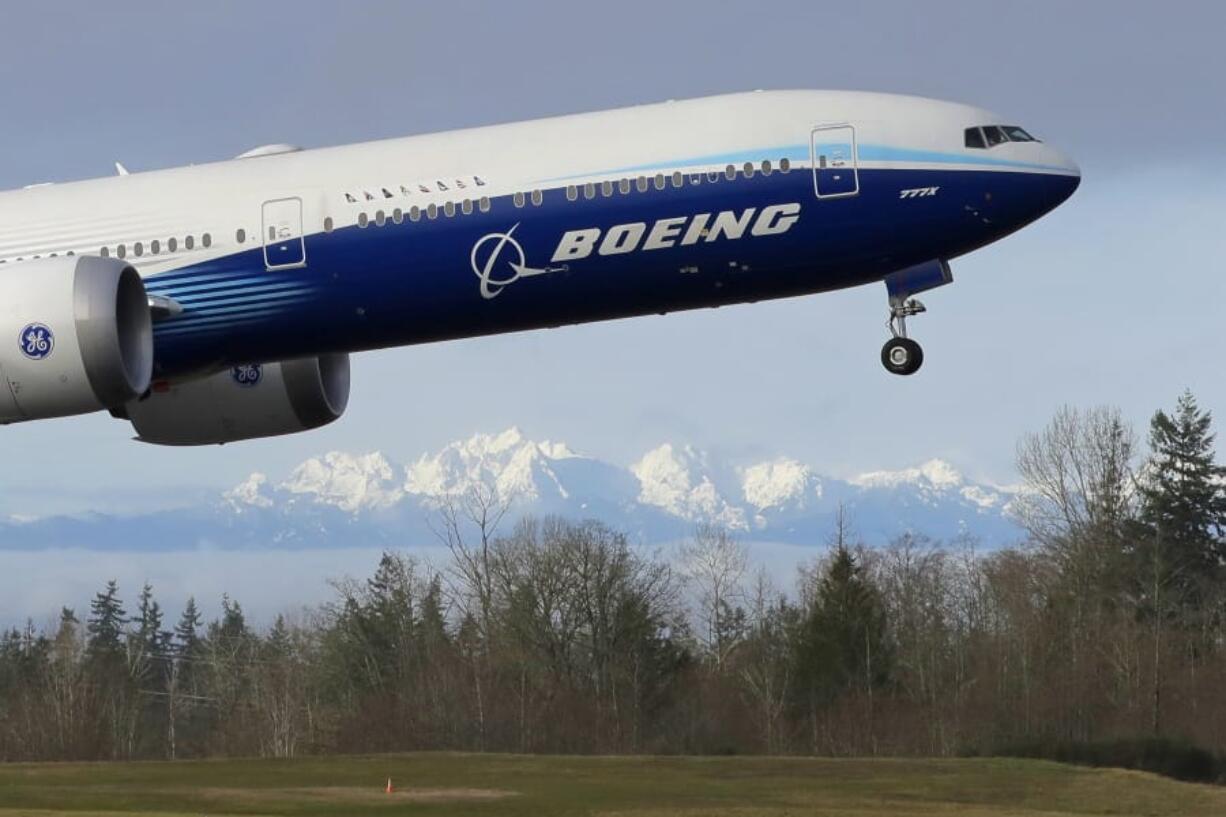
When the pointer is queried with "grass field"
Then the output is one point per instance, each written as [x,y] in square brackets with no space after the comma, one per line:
[454,784]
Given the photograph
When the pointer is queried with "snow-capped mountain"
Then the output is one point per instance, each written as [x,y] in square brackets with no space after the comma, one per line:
[343,499]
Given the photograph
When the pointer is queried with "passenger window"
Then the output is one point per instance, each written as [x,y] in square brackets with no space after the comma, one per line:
[572,192]
[606,189]
[537,198]
[695,178]
[974,138]
[995,136]
[589,191]
[241,236]
[172,245]
[363,220]
[518,199]
[785,164]
[432,211]
[328,224]
[449,209]
[766,167]
[155,246]
[121,251]
[140,249]
[380,218]
[190,242]
[641,184]
[623,186]
[748,168]
[414,213]
[712,176]
[678,179]
[106,252]
[730,172]
[660,181]
[466,207]
[484,203]
[398,216]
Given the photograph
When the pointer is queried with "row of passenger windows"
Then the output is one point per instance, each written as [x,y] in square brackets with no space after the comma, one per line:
[466,207]
[589,191]
[989,136]
[157,247]
[138,249]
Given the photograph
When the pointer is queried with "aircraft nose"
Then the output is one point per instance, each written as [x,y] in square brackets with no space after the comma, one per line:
[1065,174]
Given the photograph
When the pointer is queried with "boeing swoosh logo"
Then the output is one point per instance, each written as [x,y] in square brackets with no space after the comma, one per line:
[498,261]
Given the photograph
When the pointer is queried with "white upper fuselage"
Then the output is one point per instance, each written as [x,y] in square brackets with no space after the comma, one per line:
[220,198]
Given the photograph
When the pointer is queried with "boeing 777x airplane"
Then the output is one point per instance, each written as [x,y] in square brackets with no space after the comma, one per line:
[220,302]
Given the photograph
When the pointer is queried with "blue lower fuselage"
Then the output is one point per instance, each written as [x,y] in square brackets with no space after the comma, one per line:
[417,282]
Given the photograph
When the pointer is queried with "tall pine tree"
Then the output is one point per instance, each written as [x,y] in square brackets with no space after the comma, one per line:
[1183,501]
[106,623]
[187,631]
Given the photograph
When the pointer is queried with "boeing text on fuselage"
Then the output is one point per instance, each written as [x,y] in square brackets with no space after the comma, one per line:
[683,231]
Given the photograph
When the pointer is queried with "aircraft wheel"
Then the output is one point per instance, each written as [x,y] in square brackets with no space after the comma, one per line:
[901,356]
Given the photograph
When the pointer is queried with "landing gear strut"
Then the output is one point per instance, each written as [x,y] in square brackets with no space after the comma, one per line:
[901,355]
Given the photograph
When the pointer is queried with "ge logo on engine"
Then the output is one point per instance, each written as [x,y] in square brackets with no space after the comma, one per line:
[36,341]
[248,375]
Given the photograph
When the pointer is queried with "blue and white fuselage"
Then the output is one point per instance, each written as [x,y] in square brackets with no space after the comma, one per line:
[292,254]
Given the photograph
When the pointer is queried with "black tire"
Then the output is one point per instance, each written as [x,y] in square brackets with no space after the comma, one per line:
[902,356]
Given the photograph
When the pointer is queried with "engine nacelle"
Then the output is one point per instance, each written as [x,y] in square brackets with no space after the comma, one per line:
[75,337]
[244,403]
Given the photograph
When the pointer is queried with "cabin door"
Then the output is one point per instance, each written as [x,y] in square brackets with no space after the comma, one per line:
[835,172]
[284,246]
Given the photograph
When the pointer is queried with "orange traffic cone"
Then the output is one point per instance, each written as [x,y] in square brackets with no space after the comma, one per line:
[390,790]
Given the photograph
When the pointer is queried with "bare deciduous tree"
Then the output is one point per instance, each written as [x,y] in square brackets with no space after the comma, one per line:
[714,563]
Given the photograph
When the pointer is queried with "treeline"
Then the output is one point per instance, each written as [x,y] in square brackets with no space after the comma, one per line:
[1106,624]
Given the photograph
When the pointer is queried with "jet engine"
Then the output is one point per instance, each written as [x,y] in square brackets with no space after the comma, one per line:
[243,402]
[75,337]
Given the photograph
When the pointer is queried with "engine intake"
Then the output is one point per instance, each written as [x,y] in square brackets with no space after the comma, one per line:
[75,337]
[244,403]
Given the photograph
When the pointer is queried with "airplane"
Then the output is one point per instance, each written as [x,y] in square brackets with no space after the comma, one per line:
[220,302]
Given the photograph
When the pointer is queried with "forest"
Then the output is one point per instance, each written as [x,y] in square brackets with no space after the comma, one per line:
[1106,621]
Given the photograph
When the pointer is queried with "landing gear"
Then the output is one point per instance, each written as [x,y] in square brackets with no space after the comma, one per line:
[901,355]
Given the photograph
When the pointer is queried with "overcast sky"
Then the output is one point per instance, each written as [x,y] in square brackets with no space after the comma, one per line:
[1114,298]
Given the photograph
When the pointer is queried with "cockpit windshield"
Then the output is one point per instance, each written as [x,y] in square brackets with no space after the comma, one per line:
[989,136]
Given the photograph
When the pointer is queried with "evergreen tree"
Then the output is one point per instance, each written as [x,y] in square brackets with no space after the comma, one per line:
[432,629]
[843,638]
[1183,501]
[187,631]
[105,626]
[149,633]
[233,625]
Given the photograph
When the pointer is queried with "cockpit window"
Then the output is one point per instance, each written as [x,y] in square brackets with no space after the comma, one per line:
[989,136]
[994,135]
[1017,134]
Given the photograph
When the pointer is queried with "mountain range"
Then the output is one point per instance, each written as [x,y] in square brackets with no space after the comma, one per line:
[340,499]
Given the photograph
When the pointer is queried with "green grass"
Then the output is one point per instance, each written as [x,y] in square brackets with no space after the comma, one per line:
[454,784]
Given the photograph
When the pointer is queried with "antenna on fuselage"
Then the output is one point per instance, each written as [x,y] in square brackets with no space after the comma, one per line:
[120,169]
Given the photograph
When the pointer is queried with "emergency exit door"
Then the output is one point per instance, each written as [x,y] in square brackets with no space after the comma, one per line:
[284,245]
[835,172]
